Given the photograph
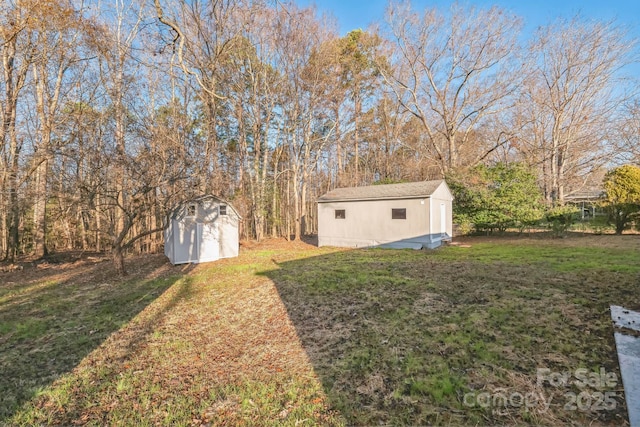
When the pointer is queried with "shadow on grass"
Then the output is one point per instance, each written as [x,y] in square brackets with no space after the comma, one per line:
[401,337]
[49,324]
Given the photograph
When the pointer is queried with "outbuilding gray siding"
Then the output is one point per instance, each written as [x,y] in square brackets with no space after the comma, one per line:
[368,219]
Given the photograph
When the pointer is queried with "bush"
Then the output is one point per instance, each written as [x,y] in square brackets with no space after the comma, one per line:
[464,228]
[599,225]
[496,197]
[561,218]
[622,186]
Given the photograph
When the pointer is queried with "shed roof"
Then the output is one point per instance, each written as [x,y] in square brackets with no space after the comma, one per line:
[408,190]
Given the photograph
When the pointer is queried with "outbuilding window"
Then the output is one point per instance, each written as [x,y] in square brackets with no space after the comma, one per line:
[191,210]
[340,214]
[399,213]
[223,209]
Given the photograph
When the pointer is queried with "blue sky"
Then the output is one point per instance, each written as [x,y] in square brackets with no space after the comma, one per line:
[353,14]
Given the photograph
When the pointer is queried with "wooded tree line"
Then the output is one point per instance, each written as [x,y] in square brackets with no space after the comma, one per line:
[112,112]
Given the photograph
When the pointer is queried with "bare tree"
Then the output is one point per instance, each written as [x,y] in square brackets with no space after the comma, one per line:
[628,135]
[301,39]
[257,85]
[571,100]
[57,51]
[202,35]
[115,44]
[452,72]
[16,50]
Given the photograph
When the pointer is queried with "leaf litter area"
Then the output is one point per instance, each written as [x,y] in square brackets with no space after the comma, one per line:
[216,347]
[291,334]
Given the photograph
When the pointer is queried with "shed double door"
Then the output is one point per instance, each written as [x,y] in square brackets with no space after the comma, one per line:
[196,242]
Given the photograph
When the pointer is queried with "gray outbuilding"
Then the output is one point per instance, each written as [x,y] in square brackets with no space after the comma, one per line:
[202,230]
[410,215]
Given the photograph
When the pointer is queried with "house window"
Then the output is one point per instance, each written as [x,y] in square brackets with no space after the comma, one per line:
[341,214]
[223,209]
[191,210]
[399,213]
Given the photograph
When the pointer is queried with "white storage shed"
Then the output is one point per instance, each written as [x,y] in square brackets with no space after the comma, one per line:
[202,230]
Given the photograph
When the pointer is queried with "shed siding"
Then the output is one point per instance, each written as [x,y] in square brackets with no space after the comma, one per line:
[168,241]
[368,220]
[443,195]
[369,223]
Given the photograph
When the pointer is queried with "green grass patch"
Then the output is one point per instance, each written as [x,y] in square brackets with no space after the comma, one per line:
[48,326]
[399,337]
[547,254]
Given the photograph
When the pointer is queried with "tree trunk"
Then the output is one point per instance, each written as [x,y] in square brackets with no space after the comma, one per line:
[296,204]
[275,220]
[3,223]
[98,223]
[117,256]
[14,209]
[14,224]
[84,228]
[356,142]
[153,224]
[121,200]
[338,136]
[554,175]
[303,204]
[210,172]
[453,153]
[620,220]
[560,180]
[288,209]
[14,78]
[40,210]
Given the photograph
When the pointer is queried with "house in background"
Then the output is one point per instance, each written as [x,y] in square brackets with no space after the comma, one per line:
[201,230]
[589,202]
[411,215]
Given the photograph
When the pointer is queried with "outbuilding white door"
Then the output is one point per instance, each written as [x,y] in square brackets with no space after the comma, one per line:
[185,242]
[443,219]
[208,242]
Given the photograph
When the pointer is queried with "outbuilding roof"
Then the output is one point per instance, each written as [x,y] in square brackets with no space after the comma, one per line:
[586,195]
[408,190]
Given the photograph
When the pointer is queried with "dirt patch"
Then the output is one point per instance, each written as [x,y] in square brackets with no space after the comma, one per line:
[430,303]
[85,268]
